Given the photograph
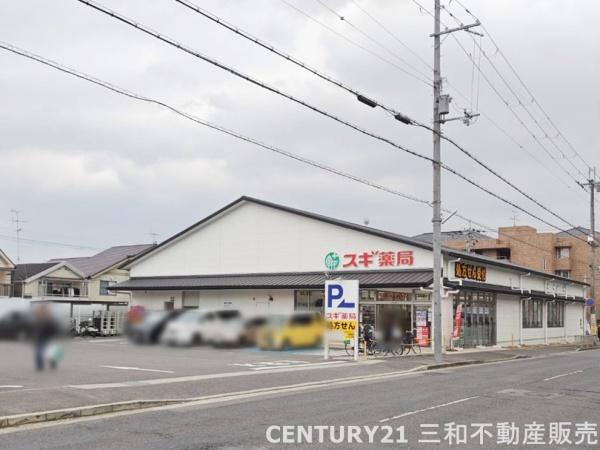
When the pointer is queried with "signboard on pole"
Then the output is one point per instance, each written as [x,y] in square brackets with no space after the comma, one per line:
[457,322]
[341,312]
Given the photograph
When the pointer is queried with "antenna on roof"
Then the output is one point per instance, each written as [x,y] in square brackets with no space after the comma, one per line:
[153,237]
[366,221]
[17,223]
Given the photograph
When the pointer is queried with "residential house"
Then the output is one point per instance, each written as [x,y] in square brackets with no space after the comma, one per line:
[6,269]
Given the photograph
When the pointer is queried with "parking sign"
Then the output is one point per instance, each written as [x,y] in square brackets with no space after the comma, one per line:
[341,310]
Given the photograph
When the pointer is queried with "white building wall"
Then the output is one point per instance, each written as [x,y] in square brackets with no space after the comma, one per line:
[248,301]
[574,320]
[253,238]
[508,320]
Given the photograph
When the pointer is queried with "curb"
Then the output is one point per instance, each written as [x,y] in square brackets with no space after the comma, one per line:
[470,362]
[83,411]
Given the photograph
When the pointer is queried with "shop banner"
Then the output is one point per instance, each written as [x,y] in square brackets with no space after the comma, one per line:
[457,322]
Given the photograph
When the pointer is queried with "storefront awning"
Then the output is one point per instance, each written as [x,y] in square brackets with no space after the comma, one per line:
[296,280]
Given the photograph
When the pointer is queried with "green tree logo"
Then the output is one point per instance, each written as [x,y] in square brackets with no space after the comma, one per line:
[332,260]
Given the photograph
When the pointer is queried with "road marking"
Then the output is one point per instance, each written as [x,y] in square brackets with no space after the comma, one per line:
[410,413]
[224,397]
[212,376]
[11,386]
[137,368]
[563,375]
[93,340]
[299,365]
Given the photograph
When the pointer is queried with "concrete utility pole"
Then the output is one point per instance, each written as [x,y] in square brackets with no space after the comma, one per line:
[593,185]
[440,109]
[437,191]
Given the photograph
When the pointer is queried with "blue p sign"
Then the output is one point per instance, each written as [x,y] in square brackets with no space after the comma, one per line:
[336,292]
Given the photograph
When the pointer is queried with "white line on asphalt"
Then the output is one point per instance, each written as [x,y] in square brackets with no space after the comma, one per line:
[137,368]
[225,397]
[410,413]
[94,341]
[297,365]
[563,375]
[211,376]
[11,386]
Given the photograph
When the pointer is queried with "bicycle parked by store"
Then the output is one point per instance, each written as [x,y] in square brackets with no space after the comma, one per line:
[365,334]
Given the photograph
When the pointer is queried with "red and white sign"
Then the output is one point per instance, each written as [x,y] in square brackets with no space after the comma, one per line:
[378,258]
[457,322]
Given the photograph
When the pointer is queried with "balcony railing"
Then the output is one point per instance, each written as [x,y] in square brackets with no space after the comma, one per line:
[62,289]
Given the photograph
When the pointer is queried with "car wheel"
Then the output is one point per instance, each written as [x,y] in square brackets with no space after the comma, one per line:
[197,339]
[286,345]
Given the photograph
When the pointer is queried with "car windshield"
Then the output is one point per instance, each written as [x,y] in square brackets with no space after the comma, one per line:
[278,320]
[189,316]
[228,315]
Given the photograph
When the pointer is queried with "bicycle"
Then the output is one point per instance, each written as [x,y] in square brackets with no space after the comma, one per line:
[373,347]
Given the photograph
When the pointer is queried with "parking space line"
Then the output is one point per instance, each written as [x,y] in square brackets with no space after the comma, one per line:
[211,376]
[297,365]
[137,368]
[11,386]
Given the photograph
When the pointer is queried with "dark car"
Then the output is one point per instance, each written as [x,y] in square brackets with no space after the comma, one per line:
[149,329]
[16,325]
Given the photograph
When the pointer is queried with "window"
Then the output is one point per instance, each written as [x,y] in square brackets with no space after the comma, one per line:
[563,273]
[309,301]
[556,314]
[533,312]
[563,252]
[104,284]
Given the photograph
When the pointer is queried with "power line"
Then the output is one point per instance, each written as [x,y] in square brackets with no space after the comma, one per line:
[393,35]
[517,97]
[505,102]
[50,243]
[274,90]
[235,134]
[516,74]
[373,40]
[352,42]
[220,21]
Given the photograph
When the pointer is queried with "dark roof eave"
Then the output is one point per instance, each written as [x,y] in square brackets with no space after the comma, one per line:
[498,289]
[264,287]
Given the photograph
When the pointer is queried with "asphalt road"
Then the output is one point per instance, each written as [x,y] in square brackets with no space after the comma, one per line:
[563,388]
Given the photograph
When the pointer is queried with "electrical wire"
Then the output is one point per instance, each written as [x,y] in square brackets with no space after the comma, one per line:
[352,42]
[344,19]
[517,97]
[533,98]
[220,21]
[118,90]
[505,102]
[50,243]
[274,90]
[392,34]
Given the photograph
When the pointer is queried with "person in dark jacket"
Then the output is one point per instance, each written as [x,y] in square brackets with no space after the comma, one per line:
[44,330]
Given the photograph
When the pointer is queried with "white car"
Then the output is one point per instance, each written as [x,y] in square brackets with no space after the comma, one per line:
[186,329]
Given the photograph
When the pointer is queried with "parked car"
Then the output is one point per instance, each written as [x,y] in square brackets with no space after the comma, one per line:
[300,329]
[16,325]
[186,329]
[221,327]
[232,329]
[150,328]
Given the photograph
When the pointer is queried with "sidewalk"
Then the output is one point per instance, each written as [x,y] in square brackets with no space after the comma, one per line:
[169,388]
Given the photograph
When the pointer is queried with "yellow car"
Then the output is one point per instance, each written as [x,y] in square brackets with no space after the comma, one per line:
[282,332]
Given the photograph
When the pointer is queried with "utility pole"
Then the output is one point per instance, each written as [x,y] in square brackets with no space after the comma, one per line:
[17,223]
[593,186]
[441,107]
[437,191]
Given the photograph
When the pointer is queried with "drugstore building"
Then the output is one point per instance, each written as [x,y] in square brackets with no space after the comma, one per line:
[265,258]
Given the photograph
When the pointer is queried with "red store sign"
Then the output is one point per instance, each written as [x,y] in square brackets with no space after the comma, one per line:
[378,258]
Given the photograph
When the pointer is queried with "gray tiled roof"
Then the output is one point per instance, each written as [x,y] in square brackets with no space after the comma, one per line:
[91,265]
[577,231]
[457,235]
[24,271]
[298,280]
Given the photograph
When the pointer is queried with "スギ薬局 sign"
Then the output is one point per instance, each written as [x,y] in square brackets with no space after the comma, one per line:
[369,259]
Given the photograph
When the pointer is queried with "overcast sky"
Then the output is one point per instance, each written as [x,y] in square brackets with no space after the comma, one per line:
[91,168]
